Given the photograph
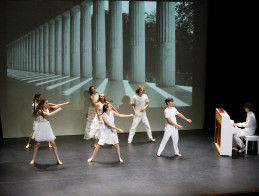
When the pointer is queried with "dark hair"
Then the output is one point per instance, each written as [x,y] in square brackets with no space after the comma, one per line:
[249,105]
[36,96]
[90,90]
[39,107]
[140,87]
[168,99]
[105,106]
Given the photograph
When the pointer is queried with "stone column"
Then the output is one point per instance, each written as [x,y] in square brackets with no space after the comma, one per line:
[52,46]
[58,45]
[66,44]
[99,50]
[75,41]
[33,53]
[115,59]
[166,44]
[26,52]
[22,53]
[37,50]
[46,47]
[29,52]
[137,42]
[41,50]
[86,40]
[19,53]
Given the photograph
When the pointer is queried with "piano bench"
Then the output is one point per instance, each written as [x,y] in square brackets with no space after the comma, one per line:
[253,138]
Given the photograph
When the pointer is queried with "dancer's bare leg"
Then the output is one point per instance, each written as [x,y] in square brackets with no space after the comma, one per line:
[29,141]
[94,153]
[95,142]
[118,151]
[55,149]
[35,152]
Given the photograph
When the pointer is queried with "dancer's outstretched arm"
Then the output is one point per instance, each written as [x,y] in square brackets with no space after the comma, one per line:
[110,126]
[123,115]
[51,113]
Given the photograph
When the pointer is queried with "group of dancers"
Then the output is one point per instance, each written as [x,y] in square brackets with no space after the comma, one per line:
[100,124]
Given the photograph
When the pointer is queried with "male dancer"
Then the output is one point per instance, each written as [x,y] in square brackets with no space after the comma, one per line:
[171,127]
[140,104]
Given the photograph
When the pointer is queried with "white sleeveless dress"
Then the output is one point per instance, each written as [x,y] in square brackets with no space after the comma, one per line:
[90,117]
[108,135]
[96,126]
[43,131]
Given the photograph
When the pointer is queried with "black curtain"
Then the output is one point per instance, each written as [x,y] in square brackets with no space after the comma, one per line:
[232,60]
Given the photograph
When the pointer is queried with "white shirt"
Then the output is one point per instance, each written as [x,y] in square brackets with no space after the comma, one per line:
[171,113]
[250,124]
[140,102]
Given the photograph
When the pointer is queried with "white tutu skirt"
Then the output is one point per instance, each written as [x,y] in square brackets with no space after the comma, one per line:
[108,137]
[35,125]
[96,127]
[43,132]
[89,120]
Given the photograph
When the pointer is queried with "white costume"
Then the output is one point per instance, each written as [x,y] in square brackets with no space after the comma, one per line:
[90,117]
[43,131]
[170,130]
[96,126]
[139,103]
[108,135]
[249,128]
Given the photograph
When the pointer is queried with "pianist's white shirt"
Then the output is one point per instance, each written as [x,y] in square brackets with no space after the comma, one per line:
[250,125]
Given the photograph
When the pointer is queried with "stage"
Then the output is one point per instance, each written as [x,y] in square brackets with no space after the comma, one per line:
[200,171]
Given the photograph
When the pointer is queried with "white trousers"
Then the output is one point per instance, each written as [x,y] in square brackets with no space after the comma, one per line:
[170,131]
[134,125]
[238,136]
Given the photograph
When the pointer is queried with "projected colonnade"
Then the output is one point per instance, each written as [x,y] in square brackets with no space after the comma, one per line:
[66,45]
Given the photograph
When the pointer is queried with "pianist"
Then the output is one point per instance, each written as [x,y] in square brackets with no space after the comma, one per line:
[249,127]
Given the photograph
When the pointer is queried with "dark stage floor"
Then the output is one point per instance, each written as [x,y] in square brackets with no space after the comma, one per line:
[200,171]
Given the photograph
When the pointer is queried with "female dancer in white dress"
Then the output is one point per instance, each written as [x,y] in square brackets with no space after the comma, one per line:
[109,131]
[97,123]
[43,131]
[36,101]
[91,111]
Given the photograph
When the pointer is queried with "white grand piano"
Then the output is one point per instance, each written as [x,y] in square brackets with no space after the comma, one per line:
[224,131]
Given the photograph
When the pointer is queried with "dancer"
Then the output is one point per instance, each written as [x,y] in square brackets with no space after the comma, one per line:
[97,122]
[36,101]
[109,131]
[91,110]
[43,131]
[140,104]
[171,127]
[249,127]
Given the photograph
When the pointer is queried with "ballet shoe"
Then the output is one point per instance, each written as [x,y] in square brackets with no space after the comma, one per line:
[158,155]
[129,142]
[32,162]
[121,160]
[179,155]
[27,146]
[153,140]
[59,162]
[90,160]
